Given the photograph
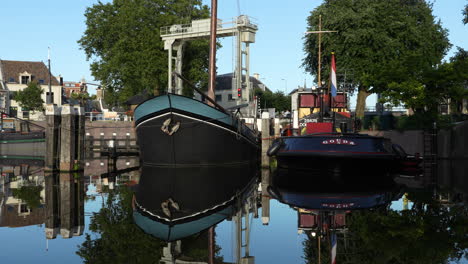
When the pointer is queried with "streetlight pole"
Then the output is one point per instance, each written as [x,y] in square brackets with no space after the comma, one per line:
[285,85]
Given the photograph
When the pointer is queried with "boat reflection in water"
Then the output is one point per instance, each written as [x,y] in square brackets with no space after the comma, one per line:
[174,203]
[323,202]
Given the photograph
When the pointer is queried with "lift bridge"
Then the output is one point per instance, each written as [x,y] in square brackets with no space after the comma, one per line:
[242,28]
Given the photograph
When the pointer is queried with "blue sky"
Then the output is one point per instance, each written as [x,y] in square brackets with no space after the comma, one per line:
[32,26]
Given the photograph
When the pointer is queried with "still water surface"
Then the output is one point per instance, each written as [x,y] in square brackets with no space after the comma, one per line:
[88,218]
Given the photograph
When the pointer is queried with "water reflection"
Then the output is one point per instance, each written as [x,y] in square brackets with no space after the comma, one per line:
[412,218]
[430,227]
[31,196]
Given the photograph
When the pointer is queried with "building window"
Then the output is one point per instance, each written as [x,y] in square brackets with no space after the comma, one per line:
[12,80]
[24,79]
[41,81]
[26,115]
[23,208]
[218,98]
[230,97]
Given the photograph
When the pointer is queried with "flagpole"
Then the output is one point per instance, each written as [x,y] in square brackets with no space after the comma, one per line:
[49,97]
[319,253]
[320,52]
[331,69]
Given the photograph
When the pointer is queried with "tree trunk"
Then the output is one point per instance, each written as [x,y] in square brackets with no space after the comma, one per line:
[361,102]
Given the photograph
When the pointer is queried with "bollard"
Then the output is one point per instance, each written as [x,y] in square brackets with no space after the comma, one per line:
[52,137]
[67,138]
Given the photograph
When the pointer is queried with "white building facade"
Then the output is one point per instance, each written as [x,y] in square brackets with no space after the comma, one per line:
[15,76]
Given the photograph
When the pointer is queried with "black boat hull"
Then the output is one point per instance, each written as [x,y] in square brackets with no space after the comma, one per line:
[185,132]
[349,152]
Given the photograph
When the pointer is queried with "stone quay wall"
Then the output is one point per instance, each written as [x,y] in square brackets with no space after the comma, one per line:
[95,128]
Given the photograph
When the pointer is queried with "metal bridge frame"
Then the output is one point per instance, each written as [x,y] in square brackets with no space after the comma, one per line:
[242,28]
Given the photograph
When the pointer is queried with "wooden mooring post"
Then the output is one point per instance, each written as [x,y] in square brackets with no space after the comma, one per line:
[265,196]
[52,137]
[265,140]
[67,138]
[65,149]
[80,137]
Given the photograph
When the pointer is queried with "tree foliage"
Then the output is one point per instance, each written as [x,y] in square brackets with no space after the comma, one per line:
[82,97]
[428,233]
[442,84]
[30,97]
[122,39]
[118,239]
[277,100]
[31,195]
[381,42]
[465,15]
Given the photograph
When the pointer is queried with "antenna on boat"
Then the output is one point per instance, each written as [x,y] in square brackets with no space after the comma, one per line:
[212,61]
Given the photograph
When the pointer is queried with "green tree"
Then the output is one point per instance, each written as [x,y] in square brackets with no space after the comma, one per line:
[118,239]
[123,41]
[428,233]
[30,97]
[31,195]
[382,42]
[277,100]
[83,97]
[465,15]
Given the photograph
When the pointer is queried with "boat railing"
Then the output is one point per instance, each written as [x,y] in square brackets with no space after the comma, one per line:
[203,95]
[335,134]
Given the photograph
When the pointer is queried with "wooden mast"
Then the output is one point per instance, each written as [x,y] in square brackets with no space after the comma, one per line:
[211,94]
[212,61]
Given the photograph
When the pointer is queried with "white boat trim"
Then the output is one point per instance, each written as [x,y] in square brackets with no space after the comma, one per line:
[199,120]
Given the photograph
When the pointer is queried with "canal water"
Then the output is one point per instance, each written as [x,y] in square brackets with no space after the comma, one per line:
[87,217]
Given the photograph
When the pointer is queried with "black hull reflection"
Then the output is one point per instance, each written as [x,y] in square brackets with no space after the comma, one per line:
[332,190]
[173,203]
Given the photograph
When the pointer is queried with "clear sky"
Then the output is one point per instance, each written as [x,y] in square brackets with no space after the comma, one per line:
[30,26]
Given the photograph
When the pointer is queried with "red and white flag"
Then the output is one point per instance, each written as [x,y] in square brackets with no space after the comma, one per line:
[333,249]
[333,76]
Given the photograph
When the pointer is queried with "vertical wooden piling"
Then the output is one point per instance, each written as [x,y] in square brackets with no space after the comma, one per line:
[277,127]
[80,136]
[79,199]
[52,137]
[265,196]
[67,138]
[52,223]
[67,205]
[265,140]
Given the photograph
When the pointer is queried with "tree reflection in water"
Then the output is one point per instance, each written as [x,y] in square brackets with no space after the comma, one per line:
[119,240]
[428,233]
